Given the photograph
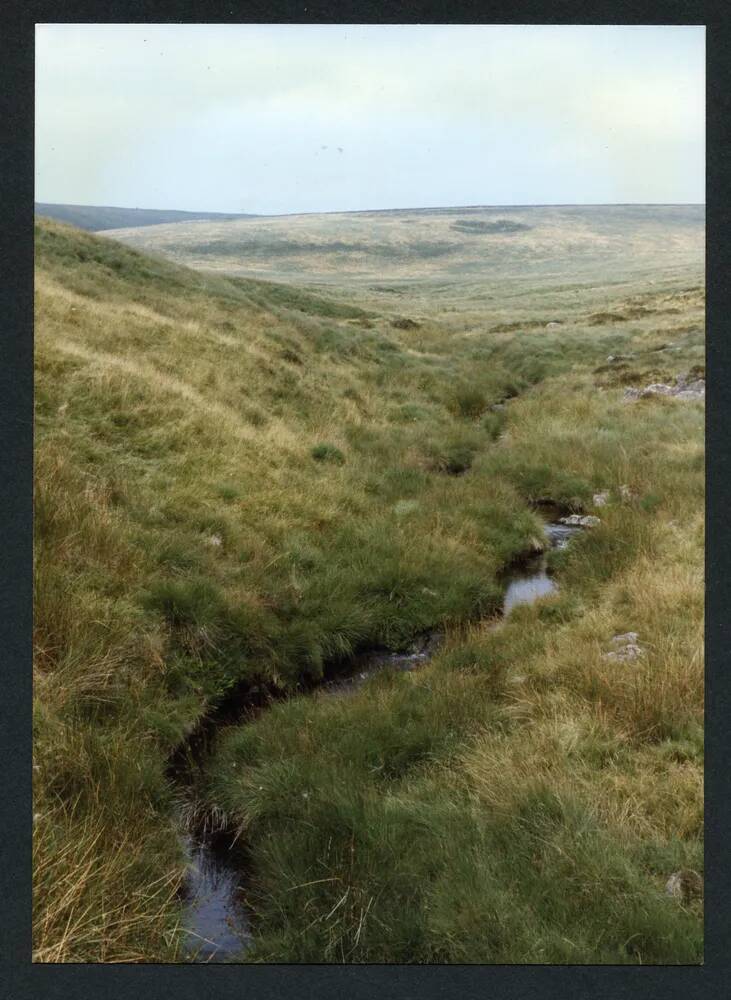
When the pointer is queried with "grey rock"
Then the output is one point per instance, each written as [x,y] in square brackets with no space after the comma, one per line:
[581,520]
[684,885]
[683,390]
[601,499]
[624,638]
[626,653]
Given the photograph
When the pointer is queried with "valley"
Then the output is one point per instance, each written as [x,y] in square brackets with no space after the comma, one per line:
[269,447]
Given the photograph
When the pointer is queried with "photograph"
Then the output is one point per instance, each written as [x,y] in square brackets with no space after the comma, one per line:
[369,494]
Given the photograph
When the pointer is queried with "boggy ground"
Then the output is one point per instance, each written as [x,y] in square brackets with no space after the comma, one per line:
[238,481]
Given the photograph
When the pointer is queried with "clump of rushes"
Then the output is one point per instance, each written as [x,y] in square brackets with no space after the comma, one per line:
[328,453]
[468,401]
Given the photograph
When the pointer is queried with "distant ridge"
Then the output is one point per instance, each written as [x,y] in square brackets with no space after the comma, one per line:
[95,218]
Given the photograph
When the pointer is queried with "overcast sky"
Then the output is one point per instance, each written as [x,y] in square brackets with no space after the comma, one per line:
[307,118]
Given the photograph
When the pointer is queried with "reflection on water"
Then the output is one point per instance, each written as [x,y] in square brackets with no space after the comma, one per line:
[533,583]
[530,581]
[216,922]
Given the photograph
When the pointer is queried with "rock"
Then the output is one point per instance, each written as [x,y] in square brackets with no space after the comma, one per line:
[692,390]
[601,499]
[629,649]
[552,325]
[629,652]
[682,390]
[685,885]
[216,541]
[625,492]
[624,638]
[497,407]
[580,520]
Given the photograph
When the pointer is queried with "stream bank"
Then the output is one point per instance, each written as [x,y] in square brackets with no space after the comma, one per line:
[217,920]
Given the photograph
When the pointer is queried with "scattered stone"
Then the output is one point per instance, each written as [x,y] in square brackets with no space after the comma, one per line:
[216,541]
[691,390]
[682,390]
[625,637]
[625,492]
[685,885]
[601,499]
[656,389]
[580,520]
[629,652]
[612,358]
[552,325]
[497,407]
[629,649]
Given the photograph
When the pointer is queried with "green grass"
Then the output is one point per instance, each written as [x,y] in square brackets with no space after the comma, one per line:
[242,482]
[514,800]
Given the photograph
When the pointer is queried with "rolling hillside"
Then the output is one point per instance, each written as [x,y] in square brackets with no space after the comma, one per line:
[463,246]
[97,217]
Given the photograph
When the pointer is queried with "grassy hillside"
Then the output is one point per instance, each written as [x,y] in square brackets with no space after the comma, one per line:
[97,217]
[239,480]
[443,249]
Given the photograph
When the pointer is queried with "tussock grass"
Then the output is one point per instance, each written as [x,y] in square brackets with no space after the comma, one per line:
[521,798]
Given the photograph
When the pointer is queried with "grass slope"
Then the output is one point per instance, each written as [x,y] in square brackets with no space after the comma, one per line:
[442,250]
[237,479]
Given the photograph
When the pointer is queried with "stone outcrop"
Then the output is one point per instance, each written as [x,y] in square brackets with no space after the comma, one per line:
[684,388]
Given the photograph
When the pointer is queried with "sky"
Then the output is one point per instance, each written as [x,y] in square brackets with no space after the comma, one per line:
[277,119]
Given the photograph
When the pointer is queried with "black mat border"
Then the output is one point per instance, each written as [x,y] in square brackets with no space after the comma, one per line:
[19,978]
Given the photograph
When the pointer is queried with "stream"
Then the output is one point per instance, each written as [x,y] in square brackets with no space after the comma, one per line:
[216,921]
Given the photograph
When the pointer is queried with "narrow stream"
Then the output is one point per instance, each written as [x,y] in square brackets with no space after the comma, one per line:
[216,917]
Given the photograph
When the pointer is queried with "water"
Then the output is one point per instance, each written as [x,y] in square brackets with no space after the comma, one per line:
[217,921]
[528,584]
[367,664]
[530,580]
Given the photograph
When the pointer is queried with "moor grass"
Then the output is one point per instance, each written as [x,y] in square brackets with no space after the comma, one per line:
[246,481]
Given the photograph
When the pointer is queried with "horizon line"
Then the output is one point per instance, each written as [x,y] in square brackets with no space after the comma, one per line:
[364,211]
